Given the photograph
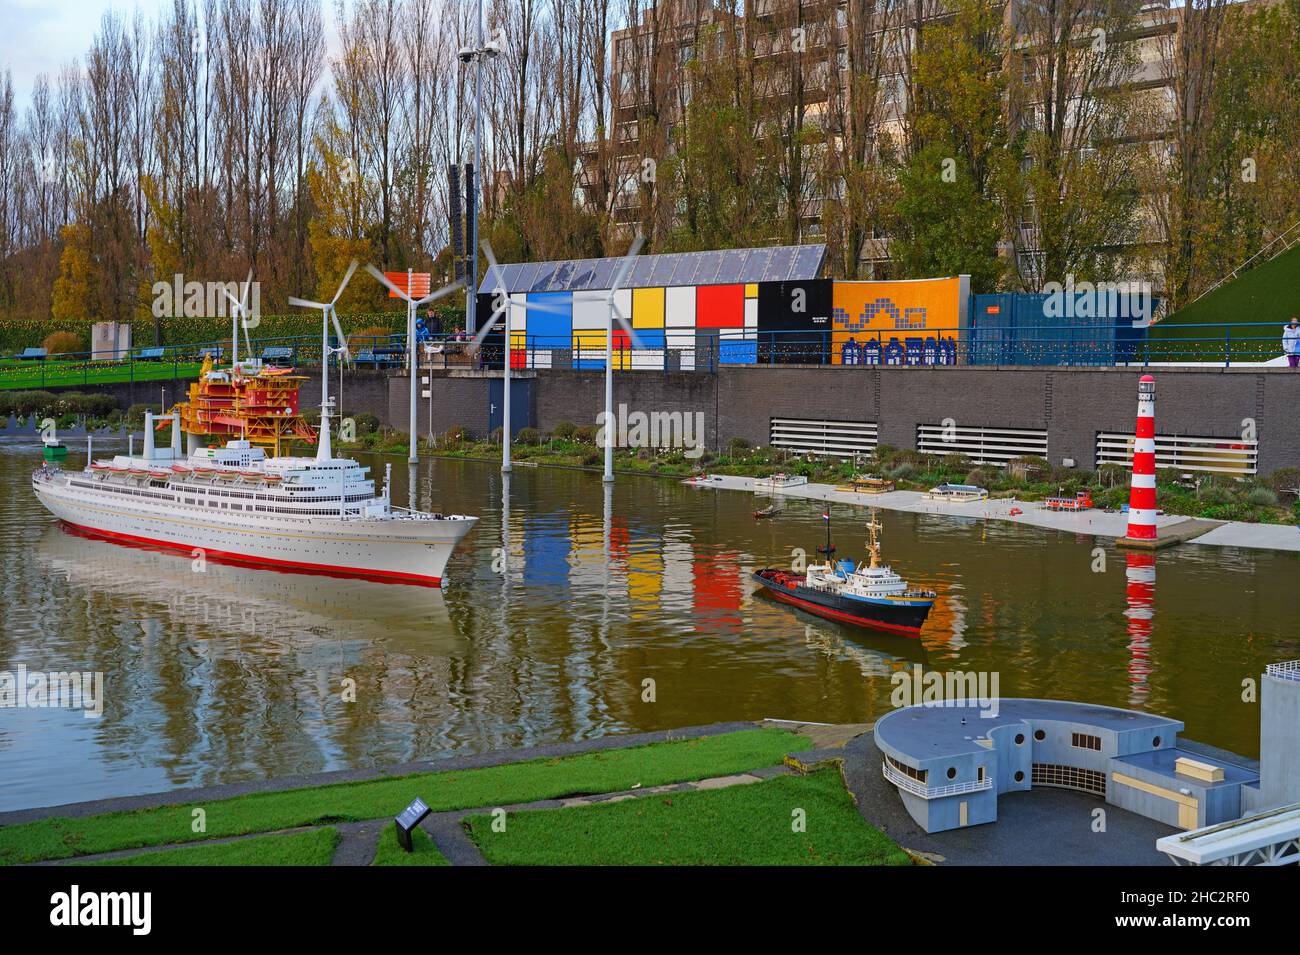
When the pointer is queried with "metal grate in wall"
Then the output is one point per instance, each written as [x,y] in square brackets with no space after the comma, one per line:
[982,445]
[837,438]
[1069,777]
[1184,452]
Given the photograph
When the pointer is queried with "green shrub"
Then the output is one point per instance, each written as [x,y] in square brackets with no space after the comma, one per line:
[528,436]
[983,477]
[453,435]
[1284,480]
[902,472]
[1262,497]
[586,434]
[565,430]
[592,458]
[737,444]
[63,343]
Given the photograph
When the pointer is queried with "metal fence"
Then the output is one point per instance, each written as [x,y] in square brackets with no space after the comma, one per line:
[699,350]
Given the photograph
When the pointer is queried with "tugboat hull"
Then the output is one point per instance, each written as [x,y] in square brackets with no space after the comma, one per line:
[904,615]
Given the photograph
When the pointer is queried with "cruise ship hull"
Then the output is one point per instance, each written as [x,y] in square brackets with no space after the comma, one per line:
[399,551]
[893,615]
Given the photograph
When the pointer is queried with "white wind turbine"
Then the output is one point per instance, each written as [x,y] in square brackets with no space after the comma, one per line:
[328,314]
[238,308]
[412,305]
[502,305]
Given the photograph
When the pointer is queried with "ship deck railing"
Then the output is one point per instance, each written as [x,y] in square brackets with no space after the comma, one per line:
[917,788]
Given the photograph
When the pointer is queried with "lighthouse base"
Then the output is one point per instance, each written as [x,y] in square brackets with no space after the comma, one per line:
[1170,534]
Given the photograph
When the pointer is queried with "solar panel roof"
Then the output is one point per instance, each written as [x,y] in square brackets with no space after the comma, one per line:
[716,267]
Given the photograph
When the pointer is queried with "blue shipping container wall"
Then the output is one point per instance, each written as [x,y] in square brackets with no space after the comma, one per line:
[1010,328]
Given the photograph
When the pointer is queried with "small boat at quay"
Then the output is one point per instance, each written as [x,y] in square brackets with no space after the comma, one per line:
[869,595]
[779,482]
[956,493]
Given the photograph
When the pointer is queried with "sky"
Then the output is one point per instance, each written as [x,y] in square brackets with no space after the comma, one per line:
[40,36]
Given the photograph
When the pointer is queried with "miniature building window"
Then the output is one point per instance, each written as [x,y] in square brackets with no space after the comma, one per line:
[1020,739]
[1020,776]
[952,772]
[981,774]
[1069,777]
[1156,742]
[1086,741]
[1040,735]
[917,774]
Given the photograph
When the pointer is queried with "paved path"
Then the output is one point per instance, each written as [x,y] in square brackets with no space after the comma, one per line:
[1097,522]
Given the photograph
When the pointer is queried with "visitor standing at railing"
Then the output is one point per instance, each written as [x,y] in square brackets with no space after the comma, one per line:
[1291,342]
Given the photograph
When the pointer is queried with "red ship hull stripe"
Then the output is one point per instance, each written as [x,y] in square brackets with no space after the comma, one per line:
[828,612]
[272,562]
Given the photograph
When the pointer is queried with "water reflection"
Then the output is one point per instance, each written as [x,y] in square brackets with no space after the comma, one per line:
[565,599]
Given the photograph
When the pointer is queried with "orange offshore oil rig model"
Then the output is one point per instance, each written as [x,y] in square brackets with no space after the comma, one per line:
[249,401]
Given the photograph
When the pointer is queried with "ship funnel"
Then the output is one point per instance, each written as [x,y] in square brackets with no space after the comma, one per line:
[176,435]
[149,449]
[323,450]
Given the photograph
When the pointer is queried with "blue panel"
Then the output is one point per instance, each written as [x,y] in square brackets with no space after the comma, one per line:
[602,274]
[582,272]
[737,351]
[640,276]
[541,279]
[661,275]
[807,262]
[706,273]
[734,269]
[779,265]
[548,329]
[559,281]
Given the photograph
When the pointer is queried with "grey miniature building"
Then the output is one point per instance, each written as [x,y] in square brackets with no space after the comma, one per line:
[950,761]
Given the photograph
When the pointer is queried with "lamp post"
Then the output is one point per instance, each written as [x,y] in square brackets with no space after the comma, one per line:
[467,55]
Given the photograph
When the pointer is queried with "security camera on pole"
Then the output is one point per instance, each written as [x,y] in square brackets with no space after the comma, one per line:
[475,55]
[413,359]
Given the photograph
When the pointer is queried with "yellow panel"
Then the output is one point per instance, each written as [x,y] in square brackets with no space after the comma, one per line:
[647,308]
[1206,772]
[1187,817]
[751,290]
[589,345]
[1154,790]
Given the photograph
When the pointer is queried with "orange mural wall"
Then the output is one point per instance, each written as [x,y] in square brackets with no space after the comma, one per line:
[905,322]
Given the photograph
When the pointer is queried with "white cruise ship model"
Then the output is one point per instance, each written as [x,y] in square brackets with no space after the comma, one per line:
[320,514]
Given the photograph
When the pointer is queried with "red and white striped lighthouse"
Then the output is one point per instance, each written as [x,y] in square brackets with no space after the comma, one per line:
[1142,491]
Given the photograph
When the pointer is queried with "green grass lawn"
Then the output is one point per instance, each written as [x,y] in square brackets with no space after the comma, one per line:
[315,847]
[424,852]
[52,373]
[740,825]
[604,771]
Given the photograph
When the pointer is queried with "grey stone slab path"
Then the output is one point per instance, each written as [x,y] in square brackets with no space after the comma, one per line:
[359,842]
[1097,522]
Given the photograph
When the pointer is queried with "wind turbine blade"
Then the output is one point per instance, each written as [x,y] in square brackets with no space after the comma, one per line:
[441,293]
[627,326]
[239,306]
[489,325]
[347,277]
[544,307]
[338,332]
[243,299]
[384,280]
[626,265]
[493,269]
[306,304]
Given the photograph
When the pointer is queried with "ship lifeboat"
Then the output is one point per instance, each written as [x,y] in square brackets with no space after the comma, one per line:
[252,475]
[161,474]
[180,469]
[138,473]
[203,472]
[227,475]
[272,478]
[100,468]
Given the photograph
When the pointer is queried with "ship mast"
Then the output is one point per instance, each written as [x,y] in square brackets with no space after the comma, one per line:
[873,544]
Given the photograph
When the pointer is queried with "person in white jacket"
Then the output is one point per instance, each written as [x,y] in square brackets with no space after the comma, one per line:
[1291,342]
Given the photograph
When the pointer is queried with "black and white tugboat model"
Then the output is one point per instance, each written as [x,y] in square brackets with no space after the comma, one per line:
[868,596]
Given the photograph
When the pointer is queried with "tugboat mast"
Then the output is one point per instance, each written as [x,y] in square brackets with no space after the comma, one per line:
[873,544]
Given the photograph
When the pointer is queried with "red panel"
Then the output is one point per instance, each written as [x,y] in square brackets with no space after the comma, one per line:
[720,306]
